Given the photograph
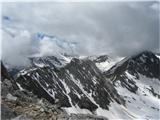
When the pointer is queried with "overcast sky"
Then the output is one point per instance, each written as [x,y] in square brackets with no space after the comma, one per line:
[118,28]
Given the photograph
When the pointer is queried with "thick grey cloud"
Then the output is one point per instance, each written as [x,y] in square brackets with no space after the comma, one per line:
[119,28]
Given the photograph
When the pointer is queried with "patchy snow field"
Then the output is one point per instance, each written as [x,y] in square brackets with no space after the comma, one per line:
[143,104]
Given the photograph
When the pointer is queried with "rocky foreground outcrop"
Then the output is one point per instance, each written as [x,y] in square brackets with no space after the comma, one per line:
[20,104]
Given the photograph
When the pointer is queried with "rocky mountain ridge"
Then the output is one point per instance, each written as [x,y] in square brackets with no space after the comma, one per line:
[80,87]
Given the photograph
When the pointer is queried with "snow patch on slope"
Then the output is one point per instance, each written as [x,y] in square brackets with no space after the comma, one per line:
[158,56]
[104,66]
[76,110]
[116,111]
[58,61]
[144,104]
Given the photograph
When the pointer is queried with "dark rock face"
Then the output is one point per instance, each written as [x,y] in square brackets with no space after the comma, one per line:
[100,59]
[127,83]
[8,83]
[78,83]
[145,63]
[4,73]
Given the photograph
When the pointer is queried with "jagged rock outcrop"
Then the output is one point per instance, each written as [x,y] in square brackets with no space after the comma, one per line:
[145,63]
[101,58]
[21,104]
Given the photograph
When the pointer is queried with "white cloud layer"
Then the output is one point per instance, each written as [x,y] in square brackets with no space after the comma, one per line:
[119,28]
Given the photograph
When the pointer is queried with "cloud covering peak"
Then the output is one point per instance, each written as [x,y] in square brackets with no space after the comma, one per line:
[119,28]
